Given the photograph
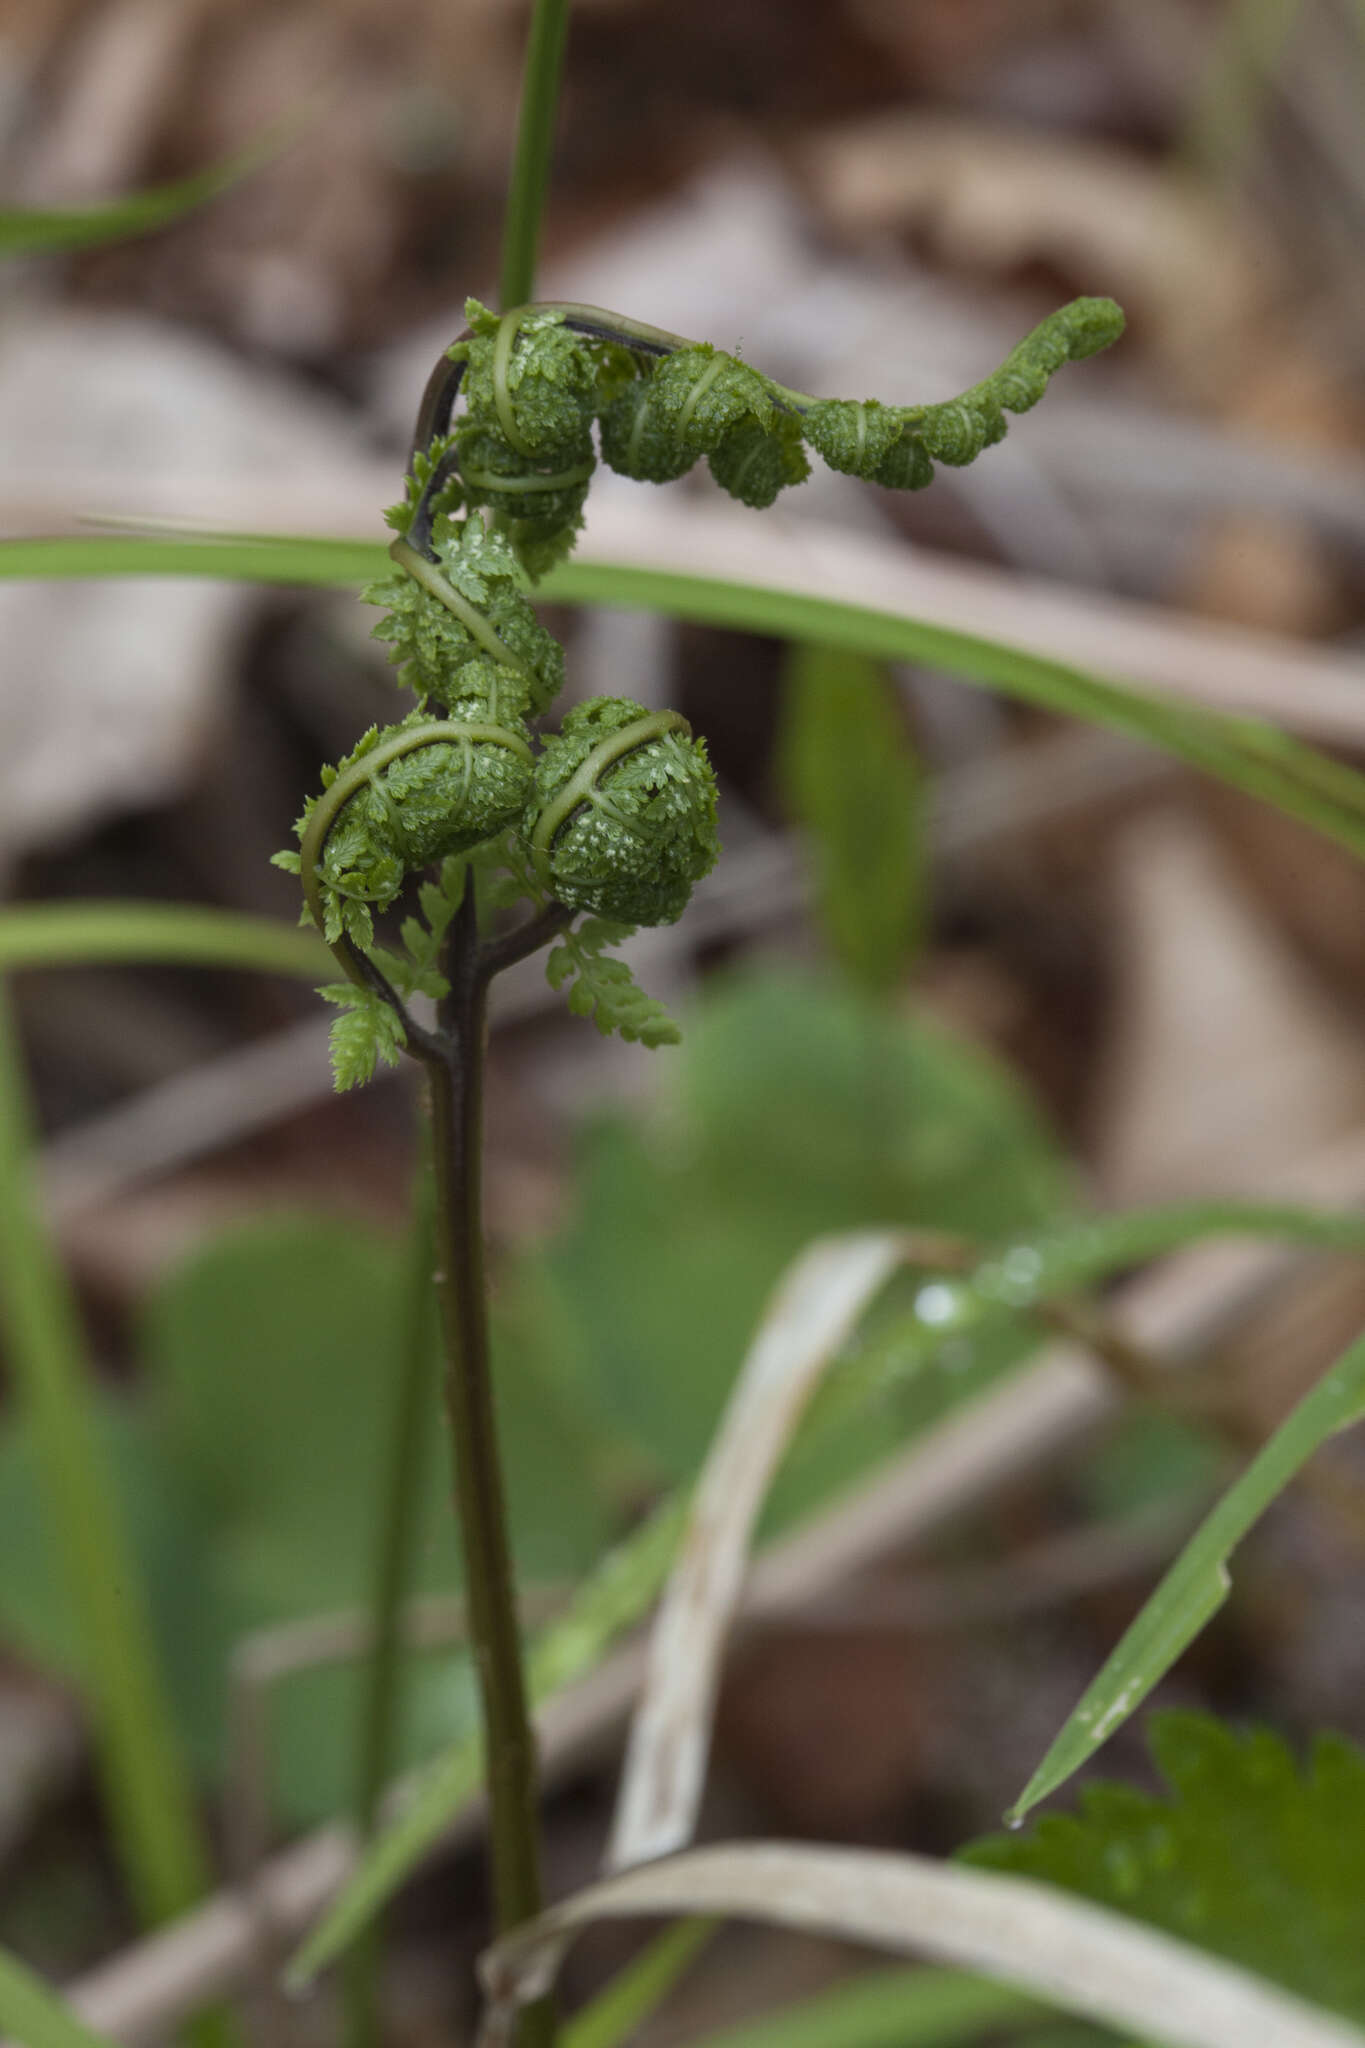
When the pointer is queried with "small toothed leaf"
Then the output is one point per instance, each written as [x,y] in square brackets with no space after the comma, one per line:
[366,1032]
[606,990]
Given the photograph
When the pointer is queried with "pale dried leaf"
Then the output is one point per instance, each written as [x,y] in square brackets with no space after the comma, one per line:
[816,1306]
[1075,1955]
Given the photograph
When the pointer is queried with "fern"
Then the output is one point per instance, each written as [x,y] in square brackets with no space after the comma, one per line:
[367,1031]
[606,990]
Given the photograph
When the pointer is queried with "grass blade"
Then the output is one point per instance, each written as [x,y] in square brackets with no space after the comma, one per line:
[638,1990]
[1198,1582]
[109,933]
[1073,1954]
[150,1799]
[887,2009]
[810,1317]
[55,230]
[1247,753]
[229,558]
[35,2016]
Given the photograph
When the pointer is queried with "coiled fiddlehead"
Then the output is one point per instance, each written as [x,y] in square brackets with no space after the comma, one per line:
[616,815]
[535,380]
[622,815]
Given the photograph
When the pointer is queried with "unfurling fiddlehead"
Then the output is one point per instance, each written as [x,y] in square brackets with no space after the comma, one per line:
[615,815]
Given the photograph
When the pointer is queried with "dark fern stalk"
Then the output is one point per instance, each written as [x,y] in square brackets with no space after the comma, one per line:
[612,818]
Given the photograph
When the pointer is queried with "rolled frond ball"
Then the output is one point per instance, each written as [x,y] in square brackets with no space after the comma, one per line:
[852,435]
[701,395]
[638,441]
[753,463]
[956,431]
[534,378]
[1090,324]
[622,816]
[409,795]
[905,466]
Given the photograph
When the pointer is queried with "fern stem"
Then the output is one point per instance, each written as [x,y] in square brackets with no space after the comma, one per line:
[535,142]
[456,1085]
[376,1760]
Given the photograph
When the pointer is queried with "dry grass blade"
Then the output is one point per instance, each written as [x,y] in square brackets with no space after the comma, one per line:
[814,1309]
[1071,1953]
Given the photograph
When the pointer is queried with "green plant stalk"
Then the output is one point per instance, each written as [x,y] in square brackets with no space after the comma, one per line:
[398,1531]
[142,1773]
[535,141]
[456,1079]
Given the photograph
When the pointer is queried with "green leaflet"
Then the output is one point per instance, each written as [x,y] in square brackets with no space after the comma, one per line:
[1248,1855]
[35,2016]
[1197,1584]
[366,1034]
[606,990]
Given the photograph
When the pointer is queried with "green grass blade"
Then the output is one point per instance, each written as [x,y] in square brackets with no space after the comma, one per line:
[612,1599]
[222,557]
[638,1990]
[55,230]
[1084,1254]
[108,933]
[34,2016]
[1198,1582]
[1247,753]
[887,2009]
[1023,1276]
[150,1799]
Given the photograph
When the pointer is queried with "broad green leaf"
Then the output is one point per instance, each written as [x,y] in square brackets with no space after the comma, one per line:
[269,1353]
[1249,1856]
[104,934]
[1245,752]
[244,1469]
[34,2016]
[54,230]
[1198,1583]
[639,1990]
[850,779]
[886,2009]
[798,1107]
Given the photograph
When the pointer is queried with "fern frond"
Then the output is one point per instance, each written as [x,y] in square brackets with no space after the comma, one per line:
[606,990]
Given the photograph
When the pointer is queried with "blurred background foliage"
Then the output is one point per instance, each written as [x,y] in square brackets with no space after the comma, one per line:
[963,966]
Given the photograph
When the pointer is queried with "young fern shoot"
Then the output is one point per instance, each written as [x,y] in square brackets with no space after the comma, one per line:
[611,820]
[614,815]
